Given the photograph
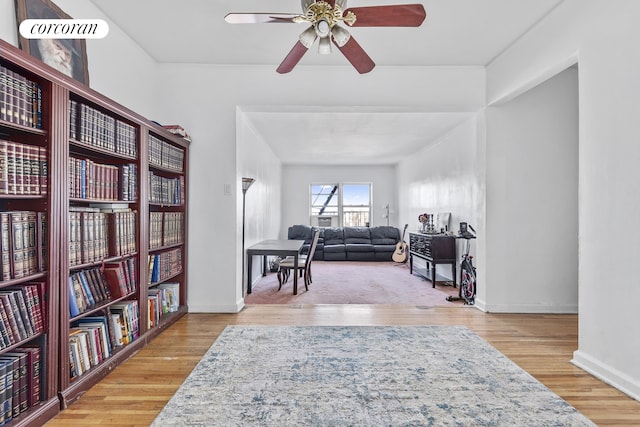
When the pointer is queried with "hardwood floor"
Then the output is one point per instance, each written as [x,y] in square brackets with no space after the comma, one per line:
[135,392]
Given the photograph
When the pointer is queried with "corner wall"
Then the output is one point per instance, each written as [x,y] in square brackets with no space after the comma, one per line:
[447,176]
[532,200]
[604,37]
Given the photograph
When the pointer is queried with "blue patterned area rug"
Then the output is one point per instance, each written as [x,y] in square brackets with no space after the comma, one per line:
[361,376]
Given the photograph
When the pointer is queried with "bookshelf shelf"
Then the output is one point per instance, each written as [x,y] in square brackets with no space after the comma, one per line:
[92,173]
[6,126]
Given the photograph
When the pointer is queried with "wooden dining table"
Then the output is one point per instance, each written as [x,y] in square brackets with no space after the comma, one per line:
[282,248]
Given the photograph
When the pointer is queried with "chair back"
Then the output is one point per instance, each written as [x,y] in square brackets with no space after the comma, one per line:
[312,248]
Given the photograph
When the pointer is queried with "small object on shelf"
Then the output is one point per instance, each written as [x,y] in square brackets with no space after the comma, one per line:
[178,130]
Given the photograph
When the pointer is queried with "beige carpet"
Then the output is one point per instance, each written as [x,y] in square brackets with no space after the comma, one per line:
[352,282]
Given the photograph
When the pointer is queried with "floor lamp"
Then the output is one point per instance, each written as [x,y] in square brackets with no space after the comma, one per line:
[246,183]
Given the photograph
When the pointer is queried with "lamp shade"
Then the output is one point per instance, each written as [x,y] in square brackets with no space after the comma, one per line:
[246,183]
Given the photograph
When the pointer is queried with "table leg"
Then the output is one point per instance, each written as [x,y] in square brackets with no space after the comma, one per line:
[249,267]
[295,274]
[433,275]
[264,265]
[453,269]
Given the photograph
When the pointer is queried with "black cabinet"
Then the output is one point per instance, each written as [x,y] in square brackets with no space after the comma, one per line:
[434,249]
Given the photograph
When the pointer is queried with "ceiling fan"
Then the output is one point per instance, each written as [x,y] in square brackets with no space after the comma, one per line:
[324,17]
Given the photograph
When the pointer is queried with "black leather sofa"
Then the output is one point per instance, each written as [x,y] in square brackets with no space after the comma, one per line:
[349,243]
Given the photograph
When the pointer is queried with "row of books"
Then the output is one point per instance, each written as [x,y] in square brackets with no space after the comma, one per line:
[166,191]
[20,99]
[91,287]
[93,339]
[20,381]
[165,265]
[91,126]
[23,243]
[91,180]
[95,234]
[163,299]
[165,228]
[23,169]
[21,313]
[165,155]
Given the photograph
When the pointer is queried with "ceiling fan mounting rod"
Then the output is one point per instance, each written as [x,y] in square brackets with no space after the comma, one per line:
[323,11]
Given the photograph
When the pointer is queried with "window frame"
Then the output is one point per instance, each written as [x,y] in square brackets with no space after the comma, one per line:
[339,217]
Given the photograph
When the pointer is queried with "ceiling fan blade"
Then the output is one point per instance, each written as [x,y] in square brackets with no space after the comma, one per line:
[260,18]
[292,59]
[352,50]
[402,15]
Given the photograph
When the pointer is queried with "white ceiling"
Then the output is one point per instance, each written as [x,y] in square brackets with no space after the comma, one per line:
[455,32]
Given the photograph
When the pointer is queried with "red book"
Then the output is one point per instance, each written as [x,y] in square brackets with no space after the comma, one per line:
[116,280]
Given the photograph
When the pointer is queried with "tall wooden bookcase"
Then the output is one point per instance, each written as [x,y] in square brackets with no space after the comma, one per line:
[112,257]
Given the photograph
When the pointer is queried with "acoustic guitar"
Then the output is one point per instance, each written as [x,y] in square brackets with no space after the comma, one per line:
[400,254]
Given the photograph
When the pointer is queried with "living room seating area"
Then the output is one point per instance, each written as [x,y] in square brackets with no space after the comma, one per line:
[349,243]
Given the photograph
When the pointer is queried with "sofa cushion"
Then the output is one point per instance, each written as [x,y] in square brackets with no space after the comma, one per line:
[385,235]
[359,247]
[334,248]
[385,248]
[300,232]
[357,235]
[333,236]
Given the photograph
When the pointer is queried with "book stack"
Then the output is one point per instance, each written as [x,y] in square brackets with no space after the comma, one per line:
[97,233]
[121,277]
[166,191]
[126,320]
[163,299]
[87,289]
[22,244]
[20,381]
[165,228]
[20,99]
[91,180]
[21,313]
[92,127]
[23,169]
[165,265]
[164,155]
[90,343]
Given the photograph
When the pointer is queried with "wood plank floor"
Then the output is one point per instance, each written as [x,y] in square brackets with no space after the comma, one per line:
[135,392]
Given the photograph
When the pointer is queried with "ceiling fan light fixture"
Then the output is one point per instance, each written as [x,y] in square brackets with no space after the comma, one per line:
[324,46]
[340,35]
[323,28]
[308,37]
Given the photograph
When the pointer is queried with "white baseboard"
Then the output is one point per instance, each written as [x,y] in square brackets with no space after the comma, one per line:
[195,308]
[531,308]
[609,375]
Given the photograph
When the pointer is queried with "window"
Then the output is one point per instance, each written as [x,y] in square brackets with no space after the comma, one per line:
[340,205]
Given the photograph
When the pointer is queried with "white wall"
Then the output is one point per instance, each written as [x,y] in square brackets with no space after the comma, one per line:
[297,179]
[603,35]
[446,176]
[255,159]
[532,200]
[118,68]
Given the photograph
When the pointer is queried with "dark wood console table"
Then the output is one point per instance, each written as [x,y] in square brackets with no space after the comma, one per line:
[434,249]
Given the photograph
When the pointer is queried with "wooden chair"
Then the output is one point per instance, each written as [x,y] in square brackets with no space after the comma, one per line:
[304,264]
